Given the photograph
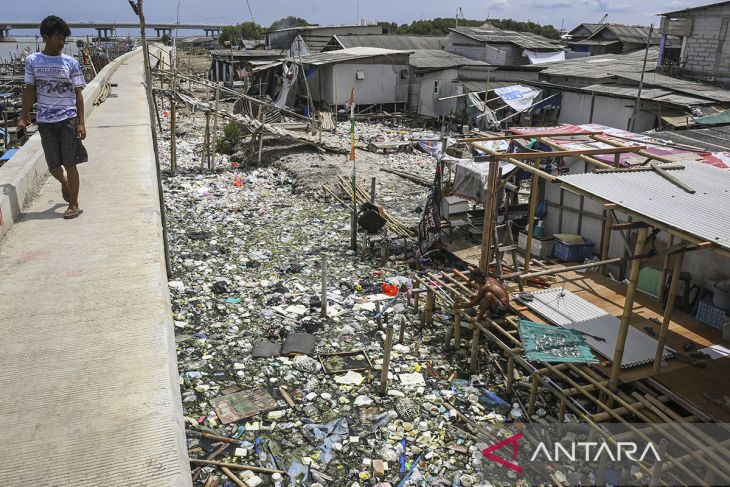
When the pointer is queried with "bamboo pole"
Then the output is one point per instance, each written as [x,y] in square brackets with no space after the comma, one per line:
[386,361]
[606,241]
[488,138]
[490,209]
[232,476]
[665,270]
[215,120]
[457,329]
[474,350]
[640,150]
[566,153]
[323,310]
[235,466]
[531,218]
[584,158]
[668,308]
[527,167]
[628,305]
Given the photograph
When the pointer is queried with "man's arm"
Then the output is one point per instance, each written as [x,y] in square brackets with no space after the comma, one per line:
[29,95]
[474,301]
[81,131]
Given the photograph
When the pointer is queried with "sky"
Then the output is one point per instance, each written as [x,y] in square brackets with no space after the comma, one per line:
[569,13]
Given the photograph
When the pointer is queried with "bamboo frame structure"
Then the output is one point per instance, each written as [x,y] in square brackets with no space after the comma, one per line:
[586,383]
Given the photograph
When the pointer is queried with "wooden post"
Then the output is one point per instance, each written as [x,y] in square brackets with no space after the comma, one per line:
[602,463]
[157,112]
[457,329]
[531,216]
[668,308]
[510,373]
[430,302]
[372,190]
[474,349]
[656,471]
[384,246]
[626,316]
[173,135]
[323,311]
[490,209]
[215,119]
[533,395]
[386,361]
[379,319]
[665,269]
[261,145]
[206,142]
[402,331]
[606,240]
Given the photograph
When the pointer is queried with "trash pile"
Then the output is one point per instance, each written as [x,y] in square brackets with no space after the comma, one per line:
[277,393]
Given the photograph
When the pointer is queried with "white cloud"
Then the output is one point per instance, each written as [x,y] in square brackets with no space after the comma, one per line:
[496,4]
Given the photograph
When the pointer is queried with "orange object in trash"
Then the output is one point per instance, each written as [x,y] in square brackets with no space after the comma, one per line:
[389,289]
[238,183]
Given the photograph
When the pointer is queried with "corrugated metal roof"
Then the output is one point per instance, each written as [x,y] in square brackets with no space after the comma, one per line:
[343,55]
[704,214]
[710,139]
[477,86]
[565,309]
[692,88]
[626,91]
[387,41]
[693,9]
[603,66]
[525,40]
[247,54]
[429,58]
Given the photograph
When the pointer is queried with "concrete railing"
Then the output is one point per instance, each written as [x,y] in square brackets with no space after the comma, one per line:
[24,173]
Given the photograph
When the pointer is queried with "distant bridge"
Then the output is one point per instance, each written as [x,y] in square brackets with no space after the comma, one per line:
[107,30]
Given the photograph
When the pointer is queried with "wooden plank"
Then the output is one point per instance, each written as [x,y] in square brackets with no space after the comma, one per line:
[517,136]
[567,153]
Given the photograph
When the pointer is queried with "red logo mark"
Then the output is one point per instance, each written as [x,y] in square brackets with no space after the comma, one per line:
[487,452]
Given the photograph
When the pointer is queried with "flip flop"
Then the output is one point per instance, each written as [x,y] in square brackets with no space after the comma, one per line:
[71,213]
[66,195]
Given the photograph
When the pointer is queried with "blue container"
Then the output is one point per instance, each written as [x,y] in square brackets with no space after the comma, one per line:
[710,315]
[572,253]
[306,110]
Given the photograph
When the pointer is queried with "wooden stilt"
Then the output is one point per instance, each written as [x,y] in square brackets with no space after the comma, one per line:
[323,311]
[531,217]
[215,121]
[379,319]
[457,329]
[665,270]
[668,308]
[386,361]
[430,302]
[606,240]
[628,306]
[510,374]
[474,350]
[372,190]
[490,210]
[173,135]
[402,331]
[533,394]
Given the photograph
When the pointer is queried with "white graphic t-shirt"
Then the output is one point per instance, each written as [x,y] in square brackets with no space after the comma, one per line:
[55,78]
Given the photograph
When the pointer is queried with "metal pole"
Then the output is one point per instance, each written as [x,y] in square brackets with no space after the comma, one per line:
[641,81]
[150,104]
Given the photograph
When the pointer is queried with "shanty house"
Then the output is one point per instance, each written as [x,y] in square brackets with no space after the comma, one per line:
[315,37]
[378,76]
[238,63]
[705,50]
[615,39]
[502,47]
[386,41]
[435,75]
[583,31]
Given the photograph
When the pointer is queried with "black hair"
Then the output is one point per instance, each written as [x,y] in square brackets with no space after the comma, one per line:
[476,274]
[54,25]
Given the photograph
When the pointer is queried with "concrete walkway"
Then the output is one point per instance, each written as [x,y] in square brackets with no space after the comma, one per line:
[89,392]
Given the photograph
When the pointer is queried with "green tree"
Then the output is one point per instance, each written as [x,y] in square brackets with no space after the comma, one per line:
[235,33]
[441,26]
[232,134]
[288,22]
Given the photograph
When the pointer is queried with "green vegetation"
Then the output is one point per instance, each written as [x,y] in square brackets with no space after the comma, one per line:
[236,33]
[232,134]
[441,26]
[288,22]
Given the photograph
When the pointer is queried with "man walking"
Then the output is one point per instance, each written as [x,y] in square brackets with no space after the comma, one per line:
[56,81]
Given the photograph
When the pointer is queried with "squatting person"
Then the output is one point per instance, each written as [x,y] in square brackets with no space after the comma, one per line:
[491,297]
[56,81]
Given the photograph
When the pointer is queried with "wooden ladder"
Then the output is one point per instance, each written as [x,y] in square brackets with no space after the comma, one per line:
[505,244]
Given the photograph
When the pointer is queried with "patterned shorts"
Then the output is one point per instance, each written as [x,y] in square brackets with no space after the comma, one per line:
[61,143]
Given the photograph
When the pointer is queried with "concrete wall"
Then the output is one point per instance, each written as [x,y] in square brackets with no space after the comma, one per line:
[382,84]
[27,169]
[707,49]
[615,112]
[428,103]
[706,266]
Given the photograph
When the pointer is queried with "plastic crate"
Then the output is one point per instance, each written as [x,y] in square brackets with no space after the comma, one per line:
[572,253]
[710,315]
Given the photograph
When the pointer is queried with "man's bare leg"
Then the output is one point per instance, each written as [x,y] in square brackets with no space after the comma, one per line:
[57,172]
[72,175]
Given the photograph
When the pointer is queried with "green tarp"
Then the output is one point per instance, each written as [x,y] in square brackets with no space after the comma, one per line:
[546,343]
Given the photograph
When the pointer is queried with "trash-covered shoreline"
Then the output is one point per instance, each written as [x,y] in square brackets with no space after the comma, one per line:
[247,245]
